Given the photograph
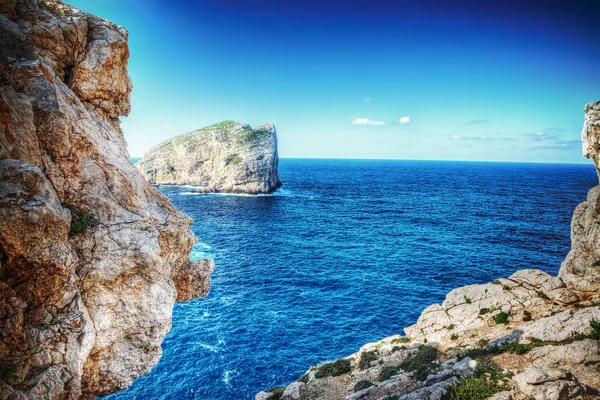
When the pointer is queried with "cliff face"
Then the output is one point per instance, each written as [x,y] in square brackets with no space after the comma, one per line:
[227,157]
[92,257]
[530,336]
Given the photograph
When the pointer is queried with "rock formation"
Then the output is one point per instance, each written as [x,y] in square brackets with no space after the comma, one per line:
[228,157]
[92,257]
[530,336]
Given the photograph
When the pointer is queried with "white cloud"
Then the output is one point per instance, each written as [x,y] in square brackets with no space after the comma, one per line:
[539,133]
[367,121]
[166,124]
[368,99]
[404,120]
[455,137]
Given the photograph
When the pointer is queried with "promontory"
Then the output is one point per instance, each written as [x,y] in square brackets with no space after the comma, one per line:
[92,257]
[228,157]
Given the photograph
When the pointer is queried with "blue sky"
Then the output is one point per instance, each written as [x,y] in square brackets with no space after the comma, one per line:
[492,80]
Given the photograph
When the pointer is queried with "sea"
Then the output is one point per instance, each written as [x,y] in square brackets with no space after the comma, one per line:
[345,253]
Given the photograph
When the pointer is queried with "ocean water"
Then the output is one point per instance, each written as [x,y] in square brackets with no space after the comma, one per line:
[348,252]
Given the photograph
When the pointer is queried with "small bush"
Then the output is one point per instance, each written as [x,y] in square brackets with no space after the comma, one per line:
[7,373]
[402,339]
[543,296]
[516,348]
[303,378]
[80,220]
[365,359]
[388,371]
[397,348]
[506,287]
[421,363]
[277,392]
[468,300]
[454,336]
[362,385]
[483,343]
[527,316]
[595,330]
[501,318]
[486,381]
[334,368]
[484,311]
[496,282]
[450,327]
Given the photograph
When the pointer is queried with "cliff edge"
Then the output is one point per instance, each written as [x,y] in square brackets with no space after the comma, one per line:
[92,257]
[530,336]
[228,157]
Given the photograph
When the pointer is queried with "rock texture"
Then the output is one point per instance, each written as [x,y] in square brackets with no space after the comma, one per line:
[228,157]
[529,336]
[92,257]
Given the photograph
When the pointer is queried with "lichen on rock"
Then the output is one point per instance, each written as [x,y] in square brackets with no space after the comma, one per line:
[92,257]
[228,157]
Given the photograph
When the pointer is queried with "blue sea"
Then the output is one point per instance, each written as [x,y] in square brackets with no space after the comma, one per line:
[349,252]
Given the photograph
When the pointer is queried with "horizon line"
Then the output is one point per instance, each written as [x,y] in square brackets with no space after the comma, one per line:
[585,162]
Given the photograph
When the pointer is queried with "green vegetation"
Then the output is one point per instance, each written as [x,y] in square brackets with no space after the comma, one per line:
[333,368]
[595,330]
[421,363]
[397,348]
[233,160]
[450,327]
[392,397]
[518,349]
[496,282]
[486,381]
[543,296]
[7,373]
[527,316]
[365,359]
[303,378]
[80,220]
[501,318]
[454,336]
[402,339]
[506,287]
[277,392]
[468,300]
[362,385]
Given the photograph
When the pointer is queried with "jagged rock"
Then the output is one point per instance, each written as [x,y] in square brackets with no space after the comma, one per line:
[562,326]
[360,394]
[93,257]
[550,384]
[434,392]
[292,391]
[226,157]
[583,259]
[263,396]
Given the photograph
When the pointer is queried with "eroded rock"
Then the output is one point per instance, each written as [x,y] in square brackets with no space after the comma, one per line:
[92,257]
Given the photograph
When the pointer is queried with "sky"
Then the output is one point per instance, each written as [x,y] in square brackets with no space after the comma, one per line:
[497,80]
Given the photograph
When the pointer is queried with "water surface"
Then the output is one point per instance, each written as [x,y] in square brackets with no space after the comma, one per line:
[348,252]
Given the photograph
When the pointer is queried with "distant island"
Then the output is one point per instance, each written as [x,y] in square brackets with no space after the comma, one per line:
[228,157]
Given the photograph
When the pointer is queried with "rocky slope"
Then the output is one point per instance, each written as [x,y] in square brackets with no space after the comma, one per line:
[530,336]
[227,157]
[92,257]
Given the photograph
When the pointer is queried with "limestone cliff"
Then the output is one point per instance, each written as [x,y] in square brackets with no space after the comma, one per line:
[227,157]
[530,336]
[92,257]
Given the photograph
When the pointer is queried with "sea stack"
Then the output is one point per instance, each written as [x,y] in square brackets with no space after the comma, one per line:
[228,157]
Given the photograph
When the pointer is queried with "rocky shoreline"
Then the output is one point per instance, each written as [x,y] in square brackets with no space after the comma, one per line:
[228,157]
[529,336]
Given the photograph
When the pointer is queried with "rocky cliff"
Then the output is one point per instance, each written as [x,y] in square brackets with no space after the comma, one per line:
[227,157]
[530,336]
[92,257]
